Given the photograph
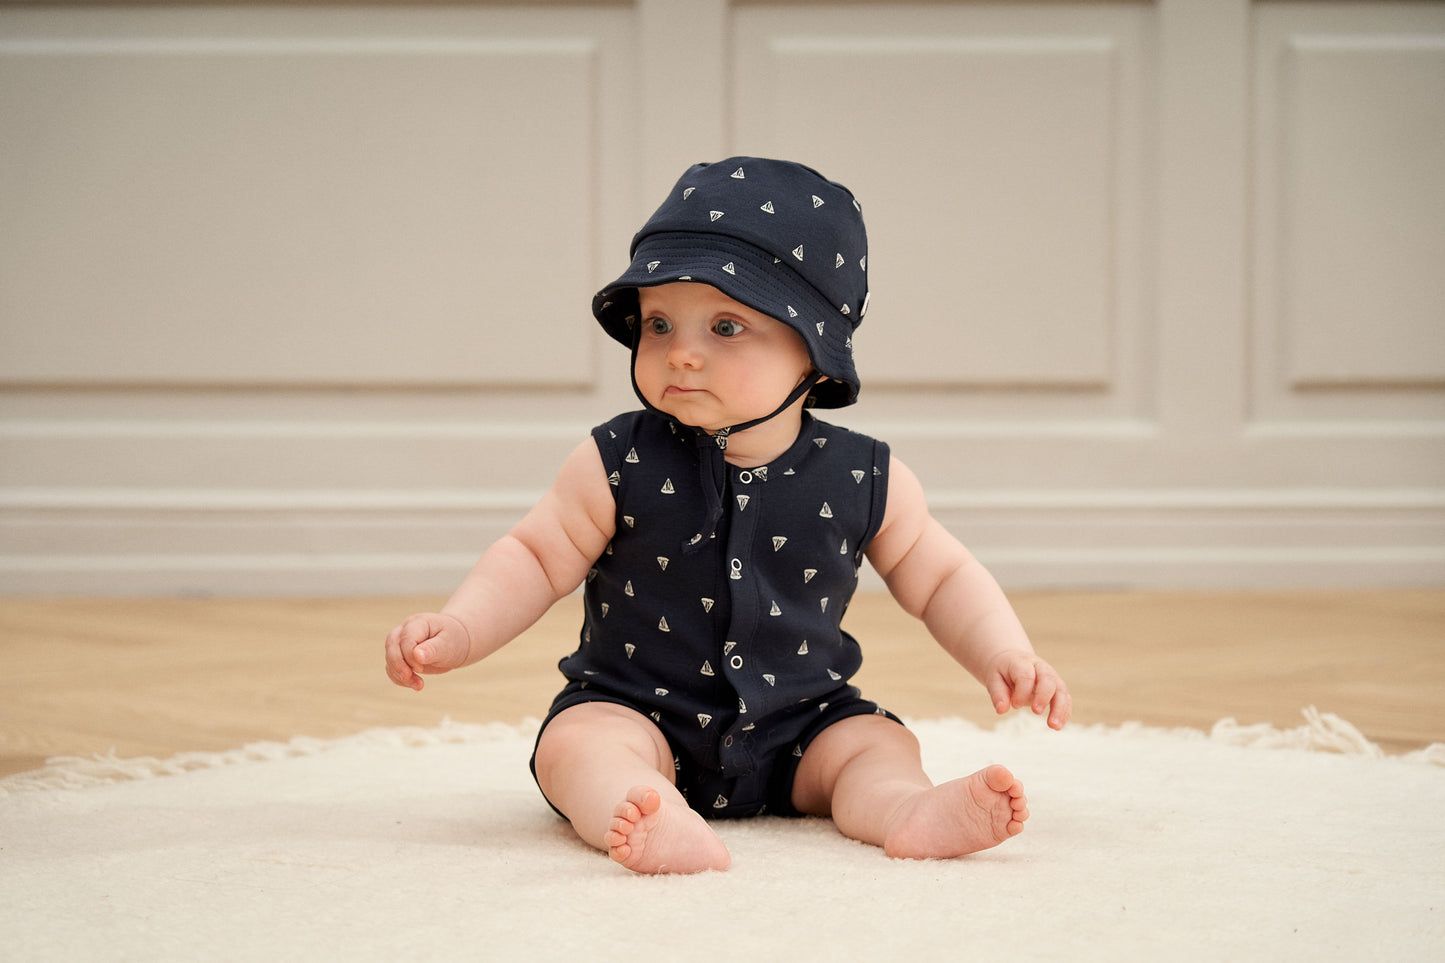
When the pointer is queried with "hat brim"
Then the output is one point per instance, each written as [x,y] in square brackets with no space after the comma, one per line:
[746,274]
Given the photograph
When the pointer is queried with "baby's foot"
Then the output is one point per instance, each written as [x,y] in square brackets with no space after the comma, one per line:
[649,837]
[959,817]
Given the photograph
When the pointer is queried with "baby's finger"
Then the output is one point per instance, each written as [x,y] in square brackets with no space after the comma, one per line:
[400,641]
[1062,708]
[1052,696]
[413,631]
[1024,683]
[1046,687]
[998,694]
[399,672]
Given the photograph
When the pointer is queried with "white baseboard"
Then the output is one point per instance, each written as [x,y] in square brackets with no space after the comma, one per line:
[319,543]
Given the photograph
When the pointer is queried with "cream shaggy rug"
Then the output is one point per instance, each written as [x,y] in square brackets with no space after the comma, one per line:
[1239,844]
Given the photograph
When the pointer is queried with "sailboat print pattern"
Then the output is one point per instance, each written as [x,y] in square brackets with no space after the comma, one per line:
[737,648]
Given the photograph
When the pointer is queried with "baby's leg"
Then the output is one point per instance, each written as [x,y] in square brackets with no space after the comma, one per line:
[610,770]
[865,772]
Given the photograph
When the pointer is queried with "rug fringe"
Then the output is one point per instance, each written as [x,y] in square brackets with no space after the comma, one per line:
[1321,731]
[82,772]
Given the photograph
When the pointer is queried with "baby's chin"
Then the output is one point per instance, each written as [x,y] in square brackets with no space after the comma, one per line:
[691,410]
[701,410]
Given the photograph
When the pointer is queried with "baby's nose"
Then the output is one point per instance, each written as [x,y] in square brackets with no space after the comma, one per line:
[686,351]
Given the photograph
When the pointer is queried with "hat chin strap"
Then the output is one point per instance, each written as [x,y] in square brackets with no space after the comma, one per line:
[720,437]
[712,469]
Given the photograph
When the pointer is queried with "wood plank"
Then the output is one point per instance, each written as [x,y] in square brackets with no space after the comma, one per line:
[161,676]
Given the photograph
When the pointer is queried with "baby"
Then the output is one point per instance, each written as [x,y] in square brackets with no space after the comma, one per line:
[719,533]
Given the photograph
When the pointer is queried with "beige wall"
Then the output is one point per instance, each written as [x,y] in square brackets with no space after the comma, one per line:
[295,298]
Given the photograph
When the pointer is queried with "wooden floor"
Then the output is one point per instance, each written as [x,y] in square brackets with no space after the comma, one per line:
[157,677]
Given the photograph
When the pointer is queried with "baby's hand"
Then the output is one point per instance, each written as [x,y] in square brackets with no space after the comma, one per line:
[1018,679]
[425,644]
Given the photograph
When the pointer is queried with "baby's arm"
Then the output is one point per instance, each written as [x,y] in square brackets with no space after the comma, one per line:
[936,579]
[539,561]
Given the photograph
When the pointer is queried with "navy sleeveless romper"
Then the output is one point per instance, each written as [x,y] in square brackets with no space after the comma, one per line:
[731,644]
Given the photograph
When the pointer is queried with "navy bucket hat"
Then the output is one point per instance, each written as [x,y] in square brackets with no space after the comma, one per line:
[775,235]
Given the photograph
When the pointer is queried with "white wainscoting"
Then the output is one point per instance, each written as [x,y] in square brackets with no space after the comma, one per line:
[295,298]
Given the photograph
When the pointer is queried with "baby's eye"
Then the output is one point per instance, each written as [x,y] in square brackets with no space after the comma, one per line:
[659,325]
[728,328]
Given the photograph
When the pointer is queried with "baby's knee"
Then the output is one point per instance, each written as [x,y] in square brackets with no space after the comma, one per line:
[592,728]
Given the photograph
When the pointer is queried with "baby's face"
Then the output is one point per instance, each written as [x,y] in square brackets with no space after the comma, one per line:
[712,362]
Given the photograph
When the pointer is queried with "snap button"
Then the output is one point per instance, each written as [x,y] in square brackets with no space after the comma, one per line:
[728,741]
[737,662]
[746,477]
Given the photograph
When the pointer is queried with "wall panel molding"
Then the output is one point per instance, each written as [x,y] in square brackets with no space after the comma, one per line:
[294,298]
[236,209]
[1348,319]
[341,542]
[1026,269]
